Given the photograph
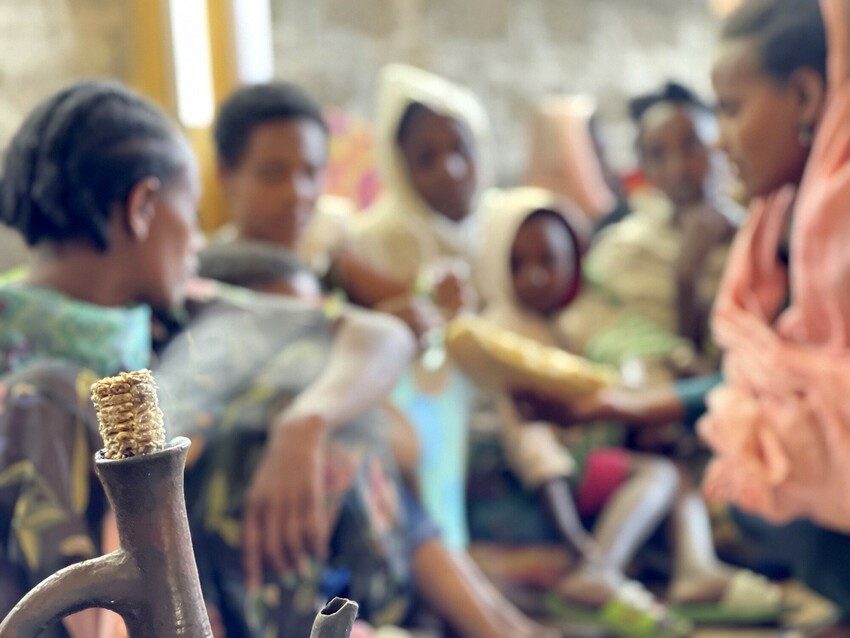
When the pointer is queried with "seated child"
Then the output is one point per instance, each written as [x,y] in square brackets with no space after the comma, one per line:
[423,230]
[430,135]
[271,143]
[534,266]
[665,260]
[533,263]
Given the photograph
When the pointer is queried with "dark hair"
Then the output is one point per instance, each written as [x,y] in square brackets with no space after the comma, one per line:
[413,112]
[551,213]
[790,34]
[254,105]
[670,93]
[248,263]
[78,154]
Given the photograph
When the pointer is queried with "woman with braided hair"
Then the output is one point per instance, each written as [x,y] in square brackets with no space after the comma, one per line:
[104,188]
[293,492]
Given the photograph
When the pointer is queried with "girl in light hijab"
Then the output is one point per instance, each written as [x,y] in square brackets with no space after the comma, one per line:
[430,137]
[532,258]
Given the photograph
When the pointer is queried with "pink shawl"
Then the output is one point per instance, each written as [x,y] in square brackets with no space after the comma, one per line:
[563,157]
[780,425]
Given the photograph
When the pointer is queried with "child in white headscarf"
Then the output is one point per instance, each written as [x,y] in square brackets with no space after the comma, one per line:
[532,258]
[430,137]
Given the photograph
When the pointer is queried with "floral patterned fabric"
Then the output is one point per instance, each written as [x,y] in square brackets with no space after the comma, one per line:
[37,323]
[51,505]
[259,352]
[230,362]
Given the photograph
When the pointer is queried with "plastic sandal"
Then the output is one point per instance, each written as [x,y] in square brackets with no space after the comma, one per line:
[749,600]
[634,613]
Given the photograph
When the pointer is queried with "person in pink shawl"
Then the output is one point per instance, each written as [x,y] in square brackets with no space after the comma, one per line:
[780,424]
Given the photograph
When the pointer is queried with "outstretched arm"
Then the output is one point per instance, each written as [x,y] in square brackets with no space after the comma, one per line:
[370,353]
[285,519]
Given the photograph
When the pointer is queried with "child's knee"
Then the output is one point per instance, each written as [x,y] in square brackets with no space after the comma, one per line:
[659,471]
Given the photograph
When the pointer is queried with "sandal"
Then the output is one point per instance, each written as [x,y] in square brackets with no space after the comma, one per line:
[633,613]
[749,599]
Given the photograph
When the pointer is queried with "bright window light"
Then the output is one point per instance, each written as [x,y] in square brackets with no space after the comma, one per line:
[192,62]
[252,23]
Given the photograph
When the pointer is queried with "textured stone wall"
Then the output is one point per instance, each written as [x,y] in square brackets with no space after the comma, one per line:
[45,44]
[508,51]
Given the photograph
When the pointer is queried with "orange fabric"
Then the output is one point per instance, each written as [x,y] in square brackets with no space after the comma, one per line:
[780,425]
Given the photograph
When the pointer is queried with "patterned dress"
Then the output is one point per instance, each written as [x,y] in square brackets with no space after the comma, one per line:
[242,358]
[225,366]
[51,505]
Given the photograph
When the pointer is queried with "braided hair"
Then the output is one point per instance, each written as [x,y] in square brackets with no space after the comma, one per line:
[77,155]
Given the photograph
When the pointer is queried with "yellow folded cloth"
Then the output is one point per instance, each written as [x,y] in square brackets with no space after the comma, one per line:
[503,360]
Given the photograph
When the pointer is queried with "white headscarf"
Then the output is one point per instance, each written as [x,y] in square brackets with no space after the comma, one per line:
[503,212]
[401,233]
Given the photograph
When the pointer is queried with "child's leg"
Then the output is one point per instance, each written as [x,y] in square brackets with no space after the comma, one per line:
[698,575]
[627,520]
[558,498]
[460,596]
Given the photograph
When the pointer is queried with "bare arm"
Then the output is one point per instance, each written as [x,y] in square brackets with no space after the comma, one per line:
[364,283]
[650,406]
[370,353]
[285,520]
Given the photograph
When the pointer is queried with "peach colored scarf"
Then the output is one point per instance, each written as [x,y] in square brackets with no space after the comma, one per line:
[780,425]
[562,155]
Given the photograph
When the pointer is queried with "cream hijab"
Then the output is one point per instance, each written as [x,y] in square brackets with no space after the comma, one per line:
[401,233]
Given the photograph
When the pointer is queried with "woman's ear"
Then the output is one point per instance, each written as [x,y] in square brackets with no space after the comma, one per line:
[809,88]
[140,209]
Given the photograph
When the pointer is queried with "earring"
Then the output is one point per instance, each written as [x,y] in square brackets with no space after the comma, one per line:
[806,135]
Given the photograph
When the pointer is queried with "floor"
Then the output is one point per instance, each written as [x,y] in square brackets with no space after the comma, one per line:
[810,612]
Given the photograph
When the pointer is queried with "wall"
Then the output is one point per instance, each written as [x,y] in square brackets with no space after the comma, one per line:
[45,44]
[508,51]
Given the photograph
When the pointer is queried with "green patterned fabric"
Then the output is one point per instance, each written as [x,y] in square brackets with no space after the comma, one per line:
[38,324]
[52,349]
[243,358]
[226,365]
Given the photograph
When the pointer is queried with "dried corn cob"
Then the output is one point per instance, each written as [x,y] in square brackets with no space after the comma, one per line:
[129,415]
